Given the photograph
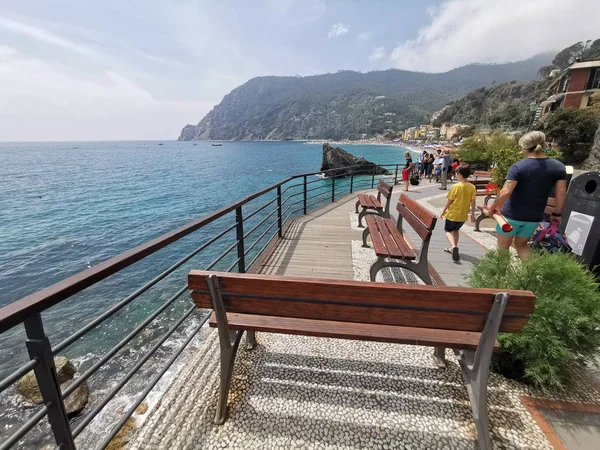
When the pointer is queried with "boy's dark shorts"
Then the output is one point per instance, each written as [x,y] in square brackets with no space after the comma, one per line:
[452,226]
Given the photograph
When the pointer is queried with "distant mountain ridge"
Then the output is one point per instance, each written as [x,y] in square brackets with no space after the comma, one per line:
[507,104]
[346,104]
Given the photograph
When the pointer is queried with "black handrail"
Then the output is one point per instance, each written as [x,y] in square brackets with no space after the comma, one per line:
[28,309]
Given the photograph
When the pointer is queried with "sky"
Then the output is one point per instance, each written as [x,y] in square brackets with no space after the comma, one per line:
[127,70]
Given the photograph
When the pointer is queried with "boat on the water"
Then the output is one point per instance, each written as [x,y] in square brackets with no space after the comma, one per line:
[217,145]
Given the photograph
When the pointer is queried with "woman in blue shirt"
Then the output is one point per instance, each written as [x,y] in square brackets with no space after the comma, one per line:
[524,196]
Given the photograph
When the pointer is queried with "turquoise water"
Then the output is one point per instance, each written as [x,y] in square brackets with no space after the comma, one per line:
[68,206]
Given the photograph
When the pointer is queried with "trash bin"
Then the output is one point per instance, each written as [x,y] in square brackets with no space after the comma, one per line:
[581,217]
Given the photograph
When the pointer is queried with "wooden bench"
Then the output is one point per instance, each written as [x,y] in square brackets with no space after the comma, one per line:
[389,243]
[482,174]
[372,205]
[550,205]
[466,320]
[480,187]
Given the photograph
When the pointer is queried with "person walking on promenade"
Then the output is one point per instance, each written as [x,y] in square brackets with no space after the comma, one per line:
[454,167]
[421,162]
[408,166]
[429,169]
[524,196]
[461,199]
[446,162]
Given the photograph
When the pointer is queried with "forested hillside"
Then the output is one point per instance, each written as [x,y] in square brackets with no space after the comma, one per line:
[346,104]
[507,104]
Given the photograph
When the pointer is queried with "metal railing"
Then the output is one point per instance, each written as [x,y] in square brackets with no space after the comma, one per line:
[291,199]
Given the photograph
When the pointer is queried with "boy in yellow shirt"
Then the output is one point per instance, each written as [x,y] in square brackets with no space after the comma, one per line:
[456,212]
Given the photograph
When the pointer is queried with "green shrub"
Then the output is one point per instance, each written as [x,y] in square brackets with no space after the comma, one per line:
[572,129]
[473,150]
[564,331]
[504,151]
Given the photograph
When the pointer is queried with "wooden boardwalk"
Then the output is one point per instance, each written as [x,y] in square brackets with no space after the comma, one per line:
[320,243]
[316,245]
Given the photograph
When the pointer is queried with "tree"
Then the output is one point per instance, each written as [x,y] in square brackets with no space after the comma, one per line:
[497,147]
[465,132]
[594,103]
[474,150]
[572,129]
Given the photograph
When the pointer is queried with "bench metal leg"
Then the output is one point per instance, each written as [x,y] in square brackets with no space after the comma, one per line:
[439,354]
[250,340]
[365,211]
[376,267]
[229,341]
[365,235]
[476,366]
[419,269]
[227,360]
[357,205]
[480,218]
[360,216]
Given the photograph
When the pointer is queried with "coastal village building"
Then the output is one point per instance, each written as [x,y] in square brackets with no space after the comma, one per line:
[577,84]
[443,130]
[433,133]
[409,133]
[453,130]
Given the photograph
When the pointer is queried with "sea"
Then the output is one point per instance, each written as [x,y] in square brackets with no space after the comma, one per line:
[67,206]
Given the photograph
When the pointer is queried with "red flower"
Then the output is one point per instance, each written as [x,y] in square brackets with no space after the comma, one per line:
[490,188]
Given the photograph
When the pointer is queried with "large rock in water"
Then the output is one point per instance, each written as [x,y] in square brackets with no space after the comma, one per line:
[75,402]
[336,158]
[593,161]
[28,388]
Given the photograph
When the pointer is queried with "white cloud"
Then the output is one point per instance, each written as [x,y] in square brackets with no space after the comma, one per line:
[338,30]
[466,31]
[377,54]
[363,36]
[44,101]
[44,36]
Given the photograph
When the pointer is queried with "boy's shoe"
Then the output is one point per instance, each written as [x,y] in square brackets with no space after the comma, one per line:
[455,255]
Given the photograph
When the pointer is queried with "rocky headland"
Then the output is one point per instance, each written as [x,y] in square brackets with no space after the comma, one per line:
[336,160]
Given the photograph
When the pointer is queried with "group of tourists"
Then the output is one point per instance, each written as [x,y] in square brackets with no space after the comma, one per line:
[522,200]
[438,166]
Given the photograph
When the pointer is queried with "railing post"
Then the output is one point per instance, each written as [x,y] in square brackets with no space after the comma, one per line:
[352,180]
[279,211]
[333,189]
[396,176]
[239,234]
[373,178]
[304,194]
[39,348]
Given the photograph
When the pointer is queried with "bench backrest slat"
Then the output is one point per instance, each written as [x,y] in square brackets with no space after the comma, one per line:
[482,174]
[419,218]
[385,189]
[447,307]
[479,183]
